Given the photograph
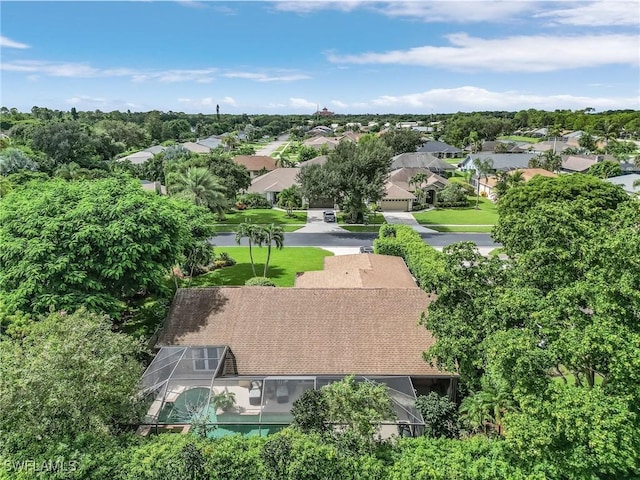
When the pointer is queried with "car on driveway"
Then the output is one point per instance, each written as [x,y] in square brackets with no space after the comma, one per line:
[366,249]
[329,216]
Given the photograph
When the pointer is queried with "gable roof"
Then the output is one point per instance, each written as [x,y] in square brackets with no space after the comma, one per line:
[578,163]
[255,163]
[402,176]
[137,158]
[307,331]
[321,160]
[275,180]
[394,192]
[196,147]
[438,147]
[363,270]
[420,160]
[626,182]
[527,174]
[501,161]
[319,141]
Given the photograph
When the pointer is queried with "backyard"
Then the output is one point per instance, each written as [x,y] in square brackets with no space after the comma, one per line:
[466,219]
[283,266]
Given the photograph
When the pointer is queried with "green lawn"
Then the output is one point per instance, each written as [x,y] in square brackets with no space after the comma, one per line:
[283,266]
[361,228]
[264,216]
[453,161]
[486,215]
[518,138]
[461,228]
[222,228]
[377,219]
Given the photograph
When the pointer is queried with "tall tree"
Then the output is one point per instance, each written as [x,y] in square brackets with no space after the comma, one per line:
[482,167]
[272,235]
[253,234]
[402,140]
[202,188]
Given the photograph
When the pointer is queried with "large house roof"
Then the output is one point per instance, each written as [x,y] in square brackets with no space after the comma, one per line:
[626,182]
[321,160]
[394,192]
[359,270]
[578,163]
[420,160]
[438,147]
[402,177]
[307,331]
[196,147]
[255,163]
[319,141]
[527,174]
[275,181]
[501,161]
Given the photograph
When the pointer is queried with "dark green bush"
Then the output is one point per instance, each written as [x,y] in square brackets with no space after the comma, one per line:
[259,282]
[254,200]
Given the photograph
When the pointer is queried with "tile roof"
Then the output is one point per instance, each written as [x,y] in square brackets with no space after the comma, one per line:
[402,176]
[362,270]
[255,163]
[275,180]
[307,331]
[420,160]
[321,160]
[578,163]
[394,192]
[501,161]
[438,147]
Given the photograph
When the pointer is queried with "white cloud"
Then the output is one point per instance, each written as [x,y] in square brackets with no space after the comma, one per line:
[339,104]
[535,53]
[207,101]
[469,98]
[262,77]
[305,7]
[8,43]
[301,103]
[88,101]
[172,76]
[595,14]
[457,11]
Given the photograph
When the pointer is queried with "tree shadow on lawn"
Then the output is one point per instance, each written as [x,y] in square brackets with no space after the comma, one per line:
[238,275]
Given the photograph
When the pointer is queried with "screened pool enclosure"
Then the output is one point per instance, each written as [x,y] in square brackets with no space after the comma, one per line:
[199,386]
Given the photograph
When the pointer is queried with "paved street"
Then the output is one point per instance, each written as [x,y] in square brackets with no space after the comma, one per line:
[353,239]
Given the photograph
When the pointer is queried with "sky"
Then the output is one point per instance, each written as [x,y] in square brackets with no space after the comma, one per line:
[293,57]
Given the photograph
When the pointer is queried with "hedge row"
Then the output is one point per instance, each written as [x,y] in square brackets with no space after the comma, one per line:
[424,262]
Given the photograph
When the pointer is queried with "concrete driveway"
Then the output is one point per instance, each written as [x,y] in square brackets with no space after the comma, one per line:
[316,223]
[406,218]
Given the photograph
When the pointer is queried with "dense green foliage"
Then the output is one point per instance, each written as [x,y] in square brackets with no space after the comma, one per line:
[423,261]
[260,282]
[96,244]
[353,174]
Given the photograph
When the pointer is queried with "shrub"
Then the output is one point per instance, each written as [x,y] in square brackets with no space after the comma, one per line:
[453,192]
[453,204]
[254,200]
[226,258]
[259,282]
[241,206]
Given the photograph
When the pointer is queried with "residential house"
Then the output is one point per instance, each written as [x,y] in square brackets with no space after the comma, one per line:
[501,161]
[558,146]
[142,156]
[488,184]
[194,147]
[256,164]
[318,142]
[396,199]
[321,160]
[440,149]
[272,183]
[579,163]
[626,182]
[320,130]
[354,319]
[421,160]
[434,182]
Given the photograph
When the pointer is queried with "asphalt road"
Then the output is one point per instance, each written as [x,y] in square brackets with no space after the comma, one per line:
[352,239]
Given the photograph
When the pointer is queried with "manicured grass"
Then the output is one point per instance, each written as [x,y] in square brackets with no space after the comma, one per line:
[461,228]
[486,215]
[518,138]
[264,216]
[361,228]
[377,219]
[453,161]
[221,228]
[283,266]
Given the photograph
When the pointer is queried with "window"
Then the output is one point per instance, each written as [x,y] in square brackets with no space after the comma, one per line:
[205,358]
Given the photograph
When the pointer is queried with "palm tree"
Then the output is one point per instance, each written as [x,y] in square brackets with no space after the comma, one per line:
[202,187]
[483,168]
[271,234]
[498,399]
[475,412]
[548,160]
[288,198]
[231,140]
[253,234]
[418,180]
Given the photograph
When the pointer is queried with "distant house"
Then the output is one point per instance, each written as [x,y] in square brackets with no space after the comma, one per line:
[579,163]
[434,182]
[440,149]
[321,160]
[320,130]
[501,161]
[272,183]
[318,142]
[488,184]
[142,156]
[256,164]
[196,148]
[421,160]
[626,182]
[559,146]
[211,142]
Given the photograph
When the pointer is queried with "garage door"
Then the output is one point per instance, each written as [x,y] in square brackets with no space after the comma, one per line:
[394,205]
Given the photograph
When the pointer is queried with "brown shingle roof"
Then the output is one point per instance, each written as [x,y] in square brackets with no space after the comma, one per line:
[275,181]
[305,331]
[359,270]
[255,163]
[394,192]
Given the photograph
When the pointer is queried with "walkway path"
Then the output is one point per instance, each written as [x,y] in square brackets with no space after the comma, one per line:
[406,218]
[316,223]
[269,148]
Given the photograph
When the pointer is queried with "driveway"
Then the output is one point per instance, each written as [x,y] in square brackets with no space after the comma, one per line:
[316,223]
[269,148]
[406,218]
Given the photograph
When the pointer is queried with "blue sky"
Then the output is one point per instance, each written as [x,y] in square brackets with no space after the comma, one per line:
[349,56]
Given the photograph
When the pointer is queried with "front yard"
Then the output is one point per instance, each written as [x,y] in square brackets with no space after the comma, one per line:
[283,266]
[466,219]
[262,216]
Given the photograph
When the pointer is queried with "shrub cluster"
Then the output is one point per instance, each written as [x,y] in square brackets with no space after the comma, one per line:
[253,200]
[259,282]
[423,261]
